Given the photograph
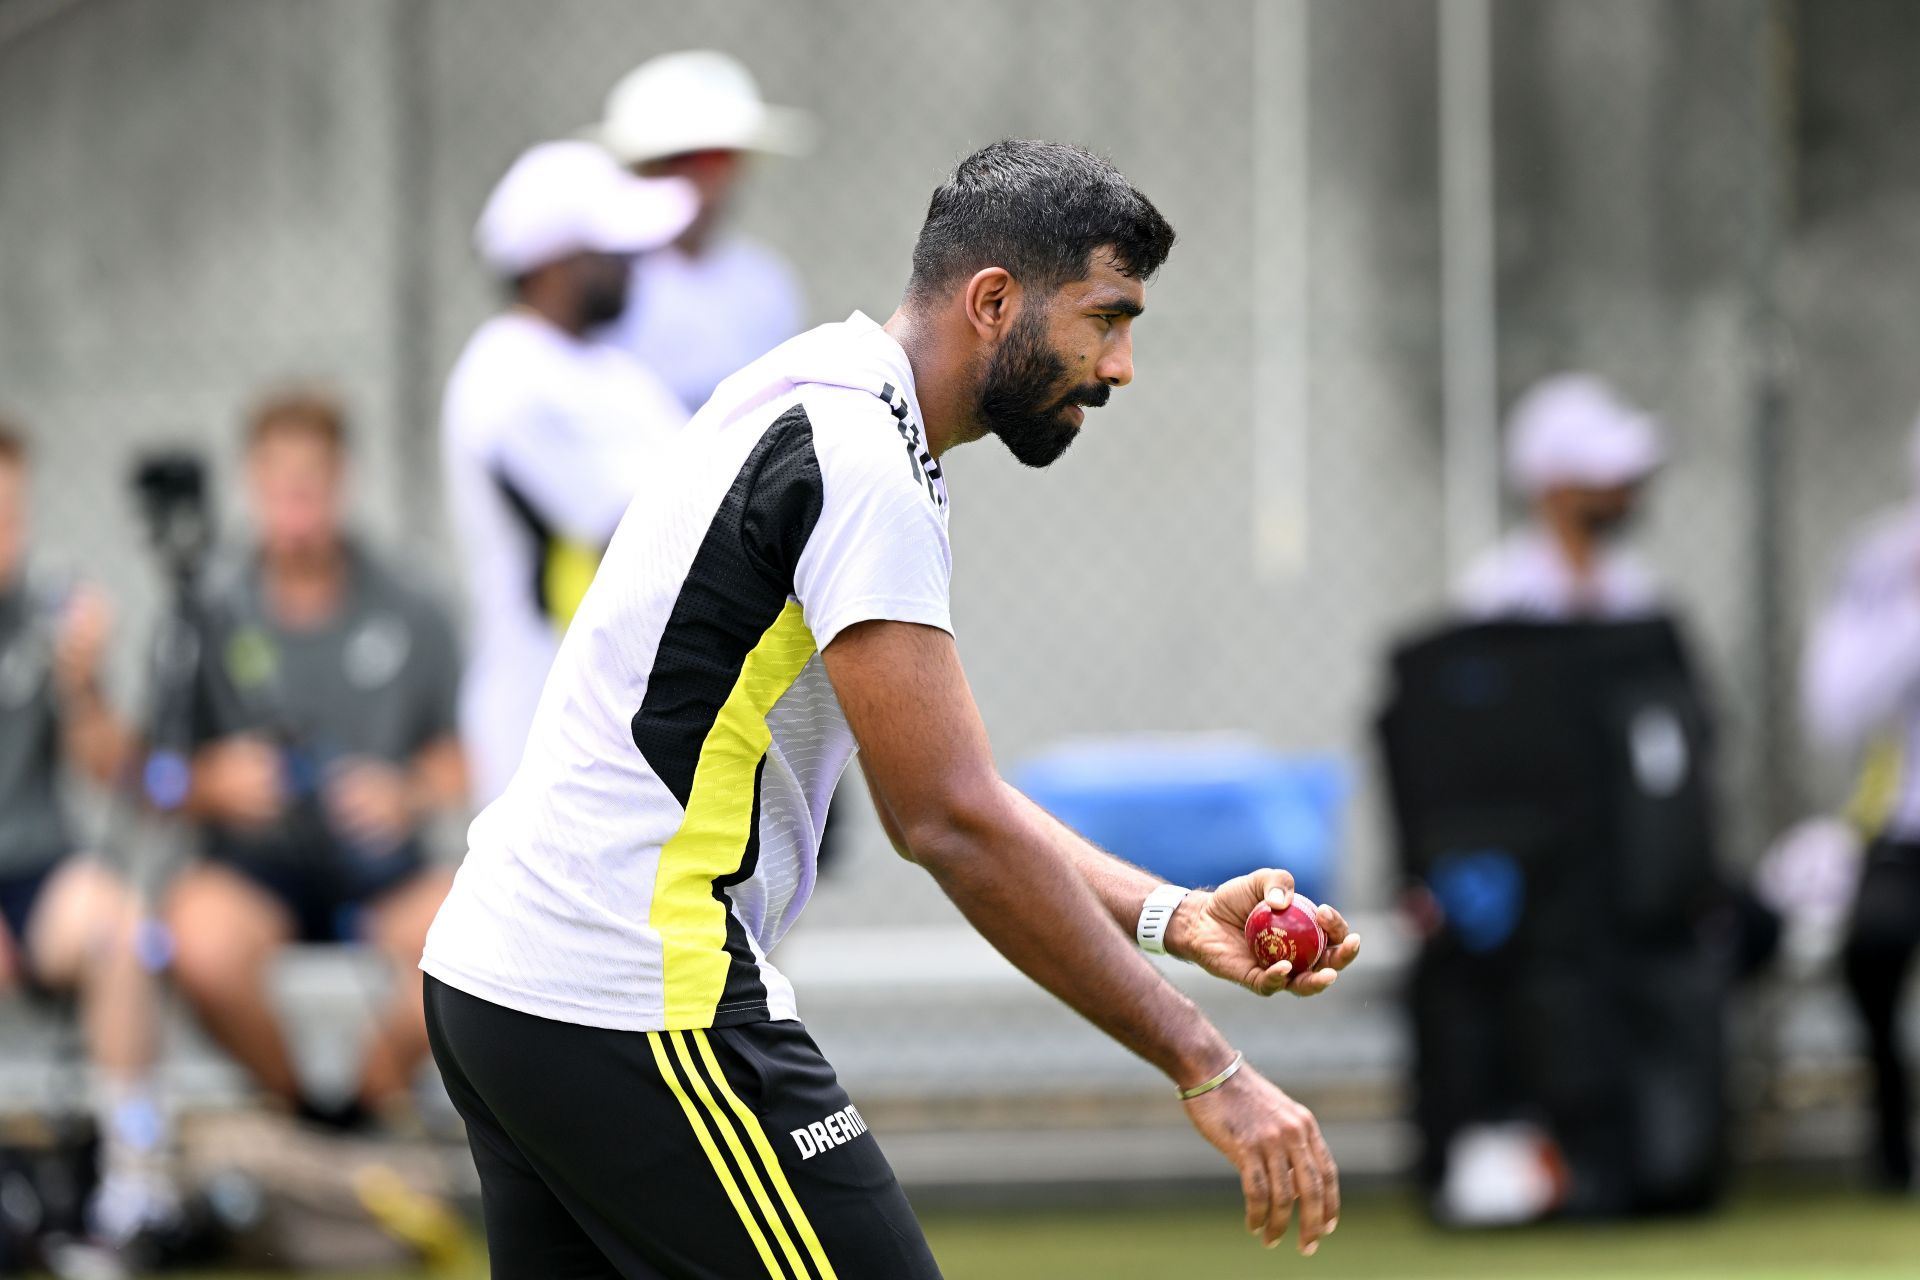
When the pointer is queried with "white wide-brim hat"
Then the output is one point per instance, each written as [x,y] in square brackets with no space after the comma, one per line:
[562,198]
[1573,430]
[698,100]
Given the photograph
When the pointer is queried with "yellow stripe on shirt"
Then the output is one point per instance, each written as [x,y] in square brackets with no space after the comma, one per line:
[689,917]
[565,577]
[1877,794]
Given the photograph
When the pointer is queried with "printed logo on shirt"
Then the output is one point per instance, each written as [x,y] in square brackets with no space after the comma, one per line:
[841,1127]
[252,659]
[376,651]
[926,469]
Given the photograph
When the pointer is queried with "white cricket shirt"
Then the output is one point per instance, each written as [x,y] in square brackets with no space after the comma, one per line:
[545,439]
[660,836]
[1527,577]
[695,320]
[1860,682]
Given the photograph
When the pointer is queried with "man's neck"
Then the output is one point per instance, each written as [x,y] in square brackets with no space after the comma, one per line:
[303,592]
[1578,547]
[942,381]
[696,240]
[566,320]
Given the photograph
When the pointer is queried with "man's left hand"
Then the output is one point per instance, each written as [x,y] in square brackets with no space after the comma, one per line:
[1209,929]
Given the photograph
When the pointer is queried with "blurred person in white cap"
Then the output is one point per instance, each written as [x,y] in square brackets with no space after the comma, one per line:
[1581,456]
[546,430]
[715,301]
[1860,690]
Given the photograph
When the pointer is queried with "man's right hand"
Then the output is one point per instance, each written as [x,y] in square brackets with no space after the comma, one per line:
[1276,1145]
[239,782]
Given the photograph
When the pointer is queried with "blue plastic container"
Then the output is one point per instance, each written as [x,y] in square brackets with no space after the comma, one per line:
[1198,810]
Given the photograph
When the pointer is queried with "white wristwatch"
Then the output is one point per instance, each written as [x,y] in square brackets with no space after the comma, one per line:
[1156,915]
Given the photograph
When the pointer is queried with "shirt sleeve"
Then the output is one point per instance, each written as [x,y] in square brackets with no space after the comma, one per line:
[1508,581]
[879,550]
[1863,660]
[1480,594]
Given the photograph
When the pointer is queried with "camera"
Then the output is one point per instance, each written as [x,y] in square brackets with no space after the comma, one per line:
[171,489]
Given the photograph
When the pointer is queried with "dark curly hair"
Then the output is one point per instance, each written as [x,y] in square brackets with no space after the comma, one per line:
[1040,210]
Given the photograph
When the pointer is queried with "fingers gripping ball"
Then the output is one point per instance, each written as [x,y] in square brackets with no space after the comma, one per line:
[1293,935]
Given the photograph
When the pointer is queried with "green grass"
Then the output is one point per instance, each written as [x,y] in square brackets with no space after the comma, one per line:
[1776,1235]
[1818,1233]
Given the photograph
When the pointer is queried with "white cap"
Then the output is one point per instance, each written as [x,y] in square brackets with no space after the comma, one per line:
[1574,431]
[561,198]
[699,100]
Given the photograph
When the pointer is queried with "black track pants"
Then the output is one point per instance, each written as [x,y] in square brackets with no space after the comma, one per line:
[723,1154]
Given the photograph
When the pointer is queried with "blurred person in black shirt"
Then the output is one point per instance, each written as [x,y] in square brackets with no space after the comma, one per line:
[67,921]
[323,742]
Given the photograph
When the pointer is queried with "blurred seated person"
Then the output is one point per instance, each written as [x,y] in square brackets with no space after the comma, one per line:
[1861,693]
[323,742]
[1580,456]
[69,923]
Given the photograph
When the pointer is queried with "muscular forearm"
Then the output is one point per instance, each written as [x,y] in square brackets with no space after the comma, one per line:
[1120,887]
[1016,875]
[1011,870]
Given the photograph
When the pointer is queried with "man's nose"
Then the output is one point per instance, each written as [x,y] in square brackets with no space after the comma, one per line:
[1116,364]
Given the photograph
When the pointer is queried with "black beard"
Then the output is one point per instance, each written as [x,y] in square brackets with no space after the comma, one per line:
[1019,398]
[1610,526]
[600,306]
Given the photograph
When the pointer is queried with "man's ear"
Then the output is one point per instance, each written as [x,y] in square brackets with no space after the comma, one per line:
[990,301]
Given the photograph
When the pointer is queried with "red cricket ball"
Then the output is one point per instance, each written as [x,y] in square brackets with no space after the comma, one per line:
[1294,935]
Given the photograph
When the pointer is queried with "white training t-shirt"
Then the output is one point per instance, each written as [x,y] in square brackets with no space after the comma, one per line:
[696,320]
[545,438]
[1860,677]
[660,836]
[1526,577]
